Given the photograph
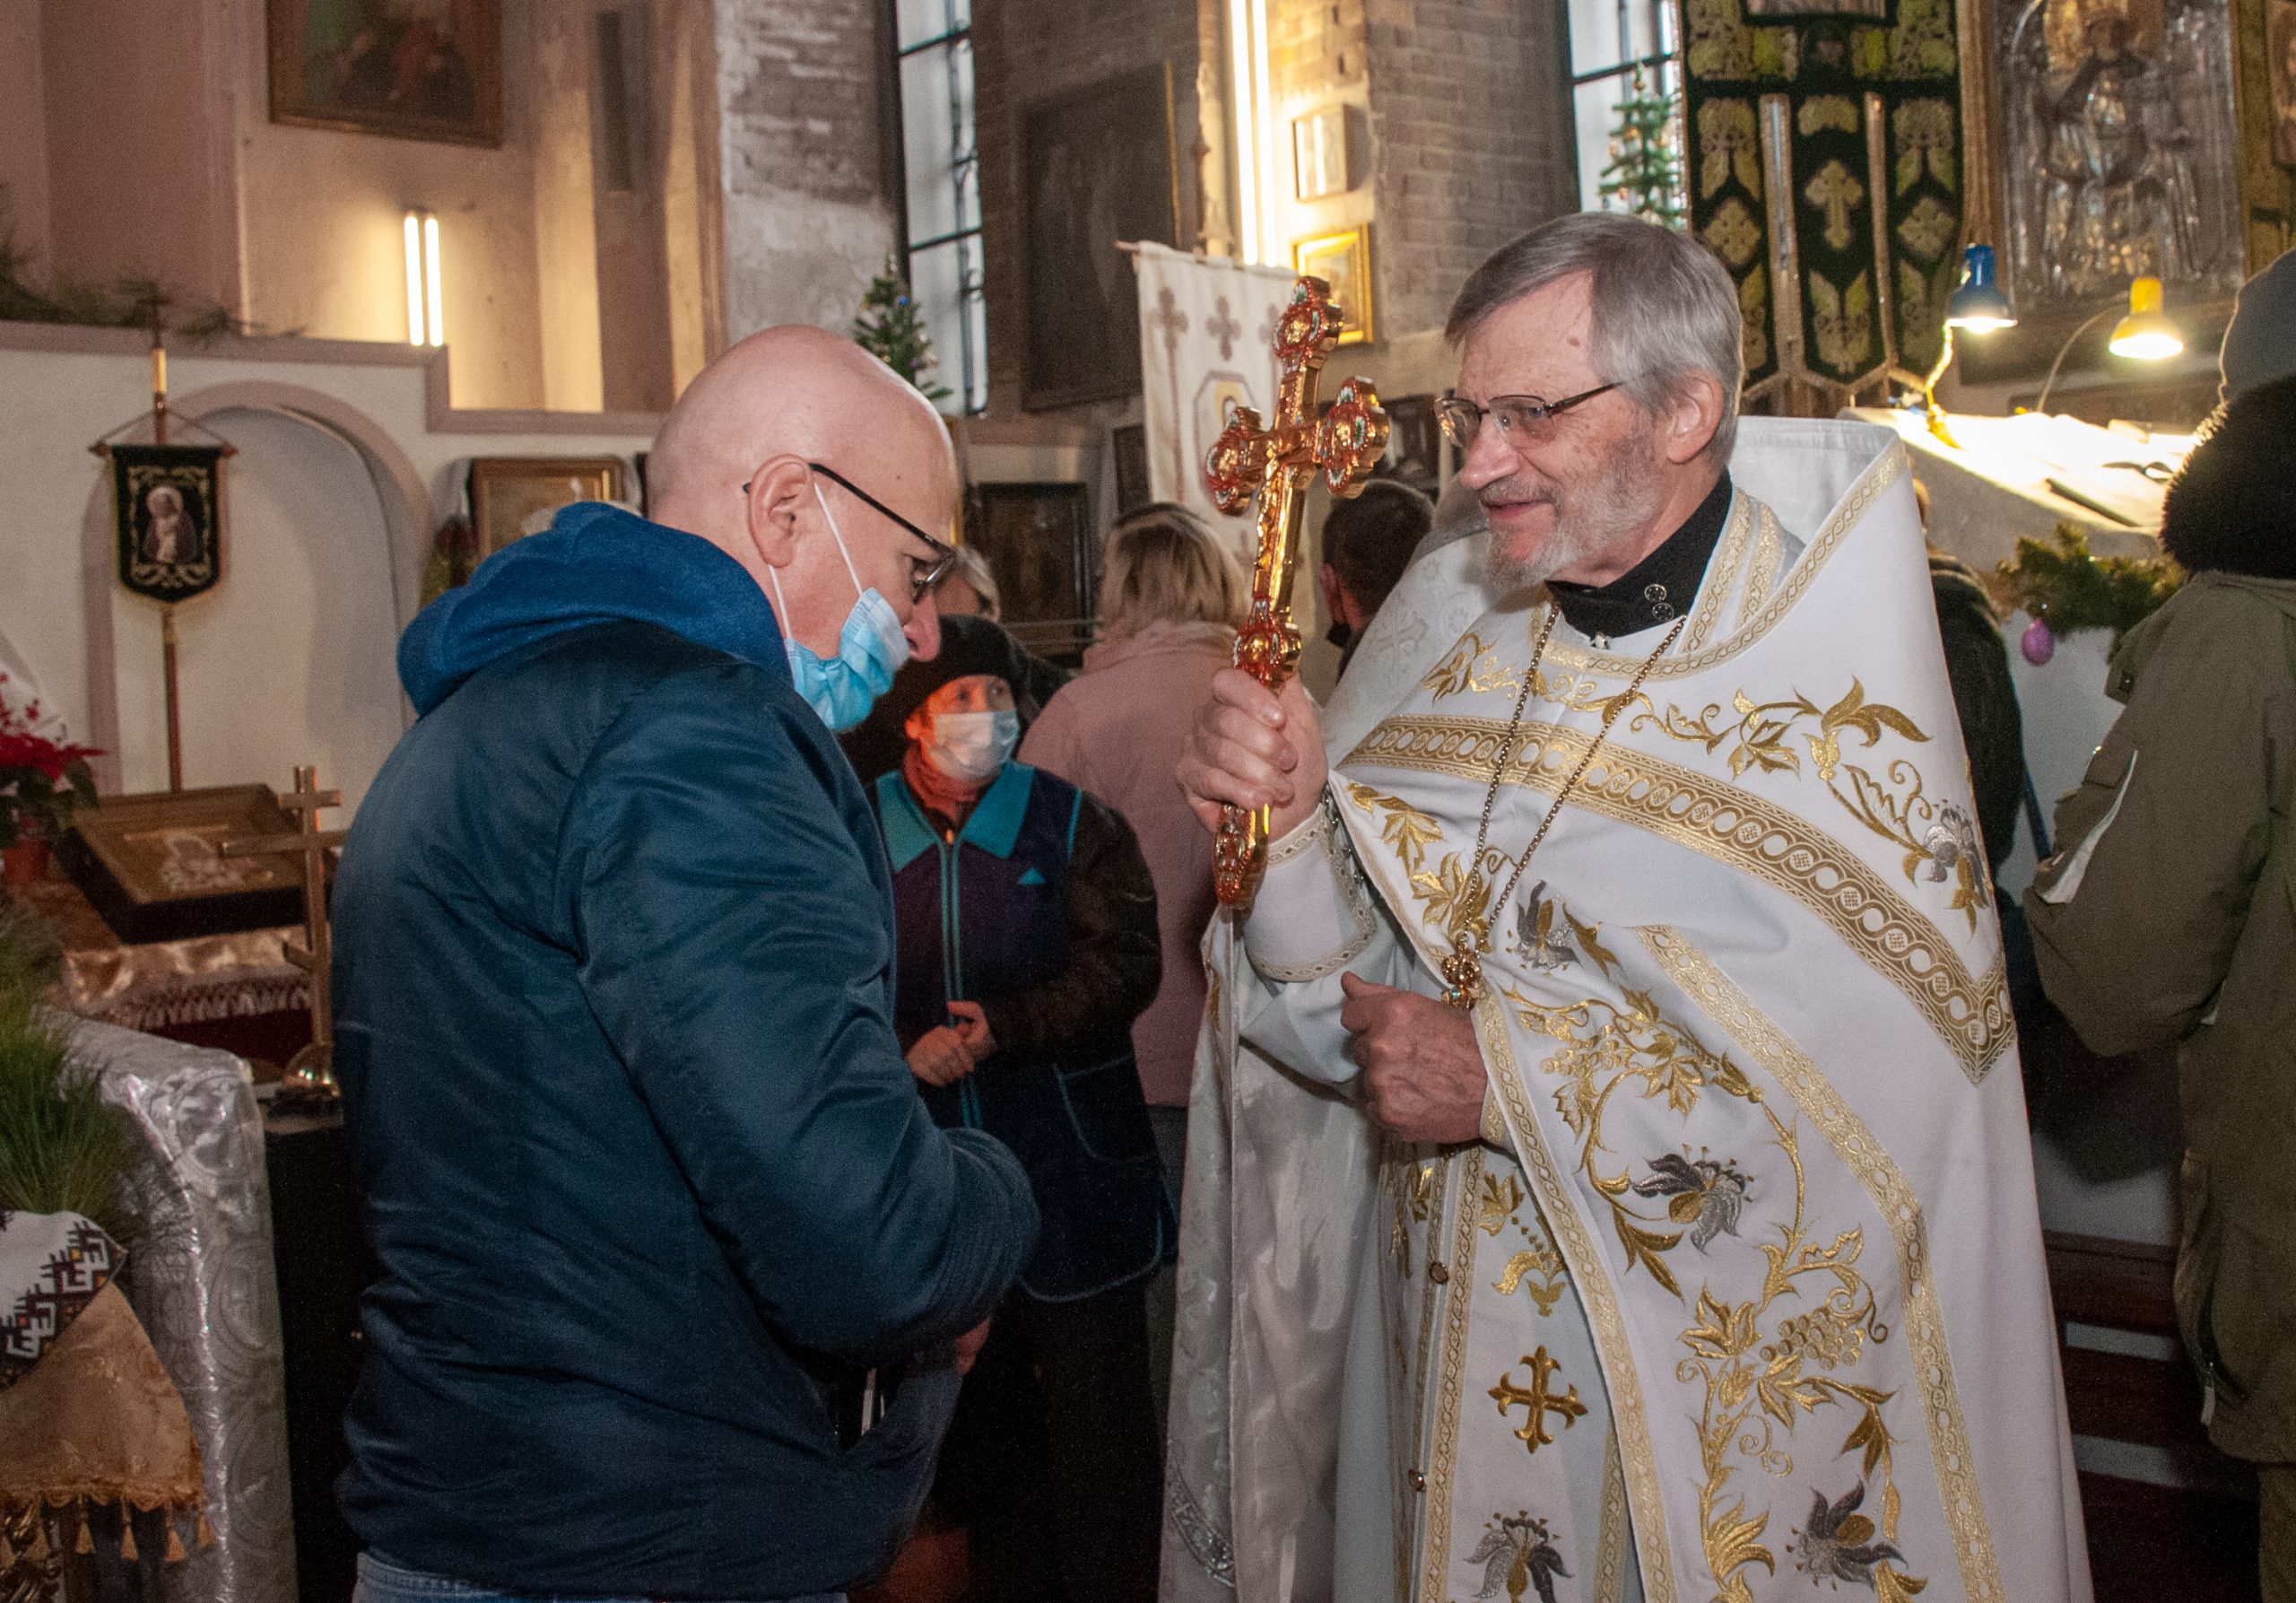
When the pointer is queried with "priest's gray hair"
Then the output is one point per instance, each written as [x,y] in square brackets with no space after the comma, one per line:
[1664,306]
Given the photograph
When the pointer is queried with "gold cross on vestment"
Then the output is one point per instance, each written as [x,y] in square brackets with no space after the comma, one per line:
[1278,464]
[312,1069]
[1537,1400]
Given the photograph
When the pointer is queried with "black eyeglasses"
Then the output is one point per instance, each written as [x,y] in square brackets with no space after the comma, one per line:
[923,576]
[1520,417]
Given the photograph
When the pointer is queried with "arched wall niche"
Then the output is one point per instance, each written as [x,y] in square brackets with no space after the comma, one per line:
[290,658]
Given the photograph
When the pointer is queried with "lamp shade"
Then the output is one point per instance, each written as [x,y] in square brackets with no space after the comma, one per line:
[2145,333]
[1978,305]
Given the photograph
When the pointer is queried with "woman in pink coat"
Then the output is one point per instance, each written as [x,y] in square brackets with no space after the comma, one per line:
[1171,600]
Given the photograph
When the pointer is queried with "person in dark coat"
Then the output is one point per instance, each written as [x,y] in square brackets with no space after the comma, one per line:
[1029,944]
[969,644]
[677,1275]
[1369,540]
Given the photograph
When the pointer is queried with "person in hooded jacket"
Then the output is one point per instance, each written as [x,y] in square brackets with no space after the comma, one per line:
[1027,945]
[2169,912]
[677,1275]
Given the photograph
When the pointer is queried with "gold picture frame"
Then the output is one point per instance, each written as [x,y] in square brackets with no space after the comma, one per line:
[510,496]
[1343,261]
[406,77]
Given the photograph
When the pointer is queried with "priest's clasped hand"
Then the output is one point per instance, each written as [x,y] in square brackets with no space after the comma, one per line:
[1251,749]
[947,1053]
[1422,1068]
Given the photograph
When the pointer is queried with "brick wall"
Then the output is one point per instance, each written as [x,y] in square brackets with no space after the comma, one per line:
[807,221]
[1471,140]
[1031,50]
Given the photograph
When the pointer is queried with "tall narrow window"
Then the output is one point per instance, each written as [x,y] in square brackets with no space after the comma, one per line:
[941,180]
[1622,51]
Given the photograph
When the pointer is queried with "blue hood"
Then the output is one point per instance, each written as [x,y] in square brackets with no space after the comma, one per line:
[595,564]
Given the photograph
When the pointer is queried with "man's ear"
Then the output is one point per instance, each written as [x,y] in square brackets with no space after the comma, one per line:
[1691,419]
[1335,598]
[780,488]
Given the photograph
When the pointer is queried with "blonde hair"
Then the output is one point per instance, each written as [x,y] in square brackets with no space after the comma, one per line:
[1162,565]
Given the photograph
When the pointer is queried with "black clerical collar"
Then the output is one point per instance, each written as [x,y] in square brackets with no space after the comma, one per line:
[1658,589]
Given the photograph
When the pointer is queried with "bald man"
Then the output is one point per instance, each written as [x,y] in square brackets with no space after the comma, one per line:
[677,1274]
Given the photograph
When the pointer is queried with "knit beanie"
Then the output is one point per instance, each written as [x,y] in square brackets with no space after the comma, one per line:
[2260,342]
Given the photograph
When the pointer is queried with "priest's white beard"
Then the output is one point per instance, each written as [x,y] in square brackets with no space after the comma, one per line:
[1588,520]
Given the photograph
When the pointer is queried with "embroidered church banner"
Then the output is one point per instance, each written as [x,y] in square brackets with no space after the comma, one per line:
[1207,327]
[168,518]
[1837,204]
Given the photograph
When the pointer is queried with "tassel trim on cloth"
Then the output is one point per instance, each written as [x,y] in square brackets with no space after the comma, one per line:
[80,1512]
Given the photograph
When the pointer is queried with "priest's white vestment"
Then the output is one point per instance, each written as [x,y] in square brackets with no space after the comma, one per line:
[1741,1295]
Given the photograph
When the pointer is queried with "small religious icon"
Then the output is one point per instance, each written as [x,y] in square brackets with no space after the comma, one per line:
[168,515]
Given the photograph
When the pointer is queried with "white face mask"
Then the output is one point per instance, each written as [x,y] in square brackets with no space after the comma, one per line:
[972,747]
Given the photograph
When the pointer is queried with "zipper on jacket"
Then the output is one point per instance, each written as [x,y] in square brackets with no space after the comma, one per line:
[952,969]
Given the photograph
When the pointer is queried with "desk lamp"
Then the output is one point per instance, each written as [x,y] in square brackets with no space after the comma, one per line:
[1979,306]
[2145,334]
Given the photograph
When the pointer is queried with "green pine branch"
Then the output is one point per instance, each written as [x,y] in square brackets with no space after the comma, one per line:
[2065,587]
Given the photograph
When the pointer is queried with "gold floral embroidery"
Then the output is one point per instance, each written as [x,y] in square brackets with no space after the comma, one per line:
[1843,318]
[1737,828]
[1732,232]
[1471,668]
[1402,826]
[1937,836]
[1823,111]
[1537,1268]
[1412,1187]
[1927,230]
[1924,131]
[1726,138]
[1922,1320]
[1604,1047]
[1756,1389]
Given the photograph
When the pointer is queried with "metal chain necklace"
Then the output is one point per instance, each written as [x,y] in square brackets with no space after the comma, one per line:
[1462,985]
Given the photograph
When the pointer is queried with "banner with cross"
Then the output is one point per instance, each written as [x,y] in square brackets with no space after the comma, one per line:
[1207,332]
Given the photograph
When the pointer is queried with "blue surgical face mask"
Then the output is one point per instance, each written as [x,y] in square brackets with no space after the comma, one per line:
[870,649]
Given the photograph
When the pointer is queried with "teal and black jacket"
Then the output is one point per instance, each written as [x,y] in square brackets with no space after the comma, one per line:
[1041,909]
[640,1156]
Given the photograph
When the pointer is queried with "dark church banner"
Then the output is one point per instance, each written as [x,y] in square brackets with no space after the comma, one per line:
[168,517]
[1825,168]
[1100,167]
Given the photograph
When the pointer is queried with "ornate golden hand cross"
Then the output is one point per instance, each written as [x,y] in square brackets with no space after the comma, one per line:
[1279,464]
[312,1069]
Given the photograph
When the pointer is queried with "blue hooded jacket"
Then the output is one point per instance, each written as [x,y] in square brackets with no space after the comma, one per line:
[649,1179]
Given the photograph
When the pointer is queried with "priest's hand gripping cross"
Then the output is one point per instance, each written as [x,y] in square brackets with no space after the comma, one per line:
[1279,464]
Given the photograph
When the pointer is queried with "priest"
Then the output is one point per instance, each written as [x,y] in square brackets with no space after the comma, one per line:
[1614,1179]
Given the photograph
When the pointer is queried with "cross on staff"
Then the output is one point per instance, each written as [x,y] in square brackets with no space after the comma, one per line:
[1537,1400]
[312,1069]
[1279,464]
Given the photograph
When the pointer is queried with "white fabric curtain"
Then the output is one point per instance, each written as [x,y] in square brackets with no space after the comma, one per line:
[1206,325]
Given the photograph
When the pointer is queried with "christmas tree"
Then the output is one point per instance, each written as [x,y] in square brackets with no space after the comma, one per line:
[1644,178]
[891,330]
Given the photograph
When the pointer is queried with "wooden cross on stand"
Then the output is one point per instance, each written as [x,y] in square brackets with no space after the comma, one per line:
[310,1071]
[1279,464]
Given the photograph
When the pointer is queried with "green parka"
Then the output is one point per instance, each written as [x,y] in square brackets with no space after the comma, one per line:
[2169,914]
